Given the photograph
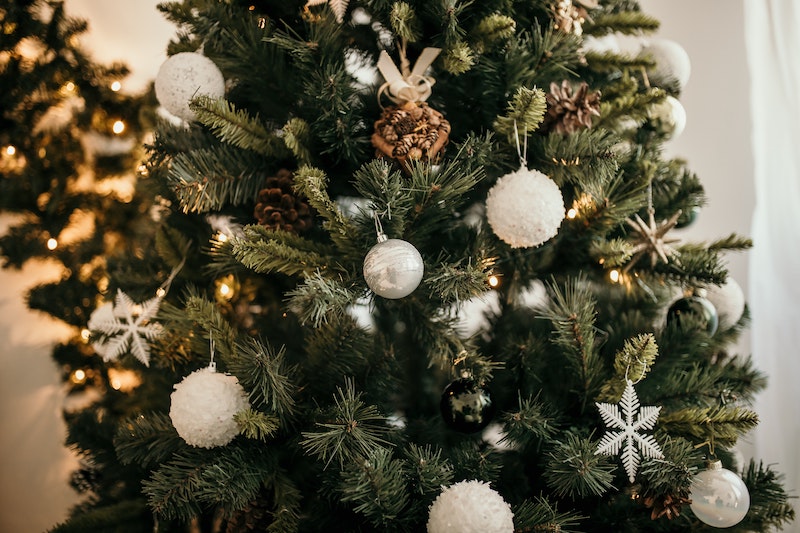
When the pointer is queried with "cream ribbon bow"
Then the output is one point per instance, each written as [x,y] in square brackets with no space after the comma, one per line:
[408,86]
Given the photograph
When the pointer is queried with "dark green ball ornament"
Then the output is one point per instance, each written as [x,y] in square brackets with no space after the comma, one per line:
[688,217]
[694,311]
[466,406]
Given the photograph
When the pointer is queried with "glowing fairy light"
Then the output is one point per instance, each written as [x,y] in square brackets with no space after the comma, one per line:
[52,244]
[116,86]
[79,376]
[11,150]
[224,290]
[118,127]
[615,276]
[85,334]
[494,281]
[572,213]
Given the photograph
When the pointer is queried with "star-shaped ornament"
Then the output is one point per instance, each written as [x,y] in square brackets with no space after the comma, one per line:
[125,326]
[650,239]
[629,433]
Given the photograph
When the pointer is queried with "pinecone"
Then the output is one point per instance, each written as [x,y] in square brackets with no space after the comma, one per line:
[569,18]
[279,207]
[668,505]
[567,112]
[413,131]
[255,516]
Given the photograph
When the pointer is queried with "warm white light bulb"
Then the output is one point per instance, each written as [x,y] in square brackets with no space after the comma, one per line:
[116,86]
[614,275]
[224,290]
[118,127]
[494,281]
[572,213]
[52,244]
[85,334]
[11,150]
[78,376]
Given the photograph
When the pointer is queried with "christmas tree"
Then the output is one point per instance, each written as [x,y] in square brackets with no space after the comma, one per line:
[408,266]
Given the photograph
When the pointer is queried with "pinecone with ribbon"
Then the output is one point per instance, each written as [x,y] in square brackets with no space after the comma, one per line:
[255,516]
[280,207]
[413,131]
[568,112]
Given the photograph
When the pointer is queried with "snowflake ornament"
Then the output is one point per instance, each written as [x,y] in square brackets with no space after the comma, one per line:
[339,7]
[629,433]
[125,325]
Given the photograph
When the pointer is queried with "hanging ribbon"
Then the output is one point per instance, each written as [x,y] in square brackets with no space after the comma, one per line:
[411,86]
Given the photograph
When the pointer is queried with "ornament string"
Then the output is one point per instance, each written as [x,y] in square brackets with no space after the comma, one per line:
[379,227]
[521,153]
[164,287]
[212,365]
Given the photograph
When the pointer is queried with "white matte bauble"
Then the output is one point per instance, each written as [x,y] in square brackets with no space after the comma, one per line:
[728,299]
[184,76]
[470,507]
[669,117]
[393,268]
[525,208]
[203,405]
[719,497]
[673,66]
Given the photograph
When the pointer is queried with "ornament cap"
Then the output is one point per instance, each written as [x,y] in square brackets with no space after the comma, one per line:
[382,238]
[714,464]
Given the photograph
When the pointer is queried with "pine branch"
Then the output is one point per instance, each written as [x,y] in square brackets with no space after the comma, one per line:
[493,29]
[297,137]
[610,62]
[264,372]
[673,474]
[107,518]
[524,114]
[540,516]
[237,127]
[532,423]
[427,471]
[584,158]
[256,425]
[146,439]
[625,22]
[575,471]
[628,107]
[208,179]
[612,253]
[319,299]
[352,431]
[312,183]
[405,23]
[632,362]
[376,487]
[171,245]
[718,424]
[458,283]
[572,314]
[265,251]
[769,505]
[339,347]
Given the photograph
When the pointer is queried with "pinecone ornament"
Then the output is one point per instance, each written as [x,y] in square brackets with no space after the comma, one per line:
[255,516]
[279,207]
[567,112]
[668,505]
[569,18]
[413,131]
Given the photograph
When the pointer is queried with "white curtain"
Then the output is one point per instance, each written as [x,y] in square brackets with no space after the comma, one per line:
[772,30]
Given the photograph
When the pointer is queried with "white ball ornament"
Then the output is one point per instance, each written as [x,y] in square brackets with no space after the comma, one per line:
[393,268]
[203,405]
[470,507]
[669,117]
[673,65]
[719,497]
[525,208]
[184,76]
[729,301]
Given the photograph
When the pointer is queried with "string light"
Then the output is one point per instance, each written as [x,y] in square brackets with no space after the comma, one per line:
[52,244]
[118,127]
[116,86]
[161,292]
[79,376]
[572,213]
[615,276]
[221,237]
[85,334]
[226,288]
[69,87]
[494,281]
[11,150]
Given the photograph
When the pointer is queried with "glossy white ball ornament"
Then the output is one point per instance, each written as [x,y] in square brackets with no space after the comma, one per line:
[470,507]
[673,66]
[525,208]
[669,117]
[393,268]
[719,497]
[203,405]
[729,301]
[184,76]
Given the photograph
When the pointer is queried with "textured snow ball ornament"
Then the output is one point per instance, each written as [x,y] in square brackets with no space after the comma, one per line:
[525,208]
[673,66]
[203,406]
[719,497]
[184,76]
[393,268]
[470,507]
